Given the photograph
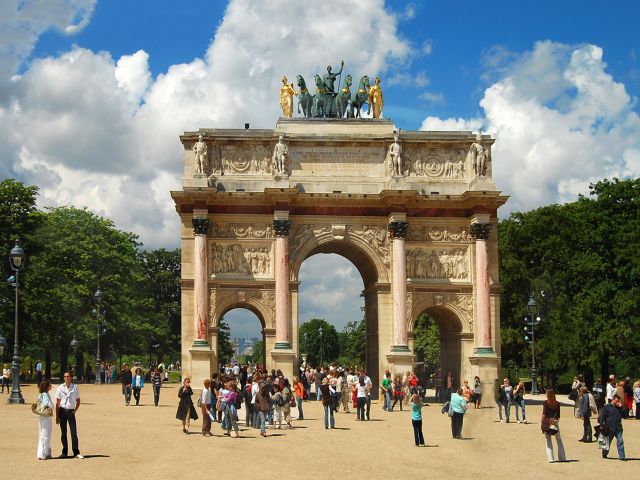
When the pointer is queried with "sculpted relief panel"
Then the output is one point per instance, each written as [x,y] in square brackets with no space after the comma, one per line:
[240,259]
[246,160]
[439,233]
[447,264]
[242,230]
[436,162]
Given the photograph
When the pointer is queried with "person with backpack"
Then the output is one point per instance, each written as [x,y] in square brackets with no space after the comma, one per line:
[610,420]
[263,405]
[248,406]
[278,401]
[287,395]
[325,391]
[585,408]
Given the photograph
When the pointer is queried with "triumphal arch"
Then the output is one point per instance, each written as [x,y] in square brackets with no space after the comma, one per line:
[414,211]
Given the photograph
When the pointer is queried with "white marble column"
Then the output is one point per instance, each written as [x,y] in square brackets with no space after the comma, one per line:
[398,232]
[200,281]
[281,226]
[480,232]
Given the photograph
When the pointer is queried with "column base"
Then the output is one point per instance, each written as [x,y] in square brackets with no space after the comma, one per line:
[200,367]
[484,351]
[283,346]
[400,361]
[489,369]
[400,348]
[200,343]
[284,360]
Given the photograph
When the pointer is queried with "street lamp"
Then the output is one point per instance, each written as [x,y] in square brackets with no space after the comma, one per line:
[321,352]
[531,321]
[98,299]
[16,259]
[74,346]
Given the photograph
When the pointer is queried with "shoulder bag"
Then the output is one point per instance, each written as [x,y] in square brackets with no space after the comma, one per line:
[41,409]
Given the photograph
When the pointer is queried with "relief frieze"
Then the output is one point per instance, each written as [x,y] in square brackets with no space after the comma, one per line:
[242,230]
[439,233]
[447,264]
[240,259]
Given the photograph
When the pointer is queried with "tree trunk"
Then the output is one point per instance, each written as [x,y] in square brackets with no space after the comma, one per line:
[47,363]
[604,367]
[64,360]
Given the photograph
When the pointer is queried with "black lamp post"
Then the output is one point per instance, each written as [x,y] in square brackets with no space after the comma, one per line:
[16,259]
[74,346]
[98,298]
[531,321]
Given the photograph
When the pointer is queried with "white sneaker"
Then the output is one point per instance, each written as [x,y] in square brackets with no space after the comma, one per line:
[518,421]
[500,420]
[79,457]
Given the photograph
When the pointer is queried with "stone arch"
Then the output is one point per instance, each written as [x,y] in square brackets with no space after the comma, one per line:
[259,302]
[448,308]
[371,262]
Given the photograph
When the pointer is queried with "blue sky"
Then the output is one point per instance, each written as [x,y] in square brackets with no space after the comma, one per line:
[94,94]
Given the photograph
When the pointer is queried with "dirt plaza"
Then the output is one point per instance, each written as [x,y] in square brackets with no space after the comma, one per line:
[118,440]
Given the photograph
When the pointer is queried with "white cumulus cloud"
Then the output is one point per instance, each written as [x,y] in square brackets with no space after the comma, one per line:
[560,122]
[97,131]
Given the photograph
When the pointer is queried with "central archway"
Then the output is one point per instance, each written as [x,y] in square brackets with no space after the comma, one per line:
[366,263]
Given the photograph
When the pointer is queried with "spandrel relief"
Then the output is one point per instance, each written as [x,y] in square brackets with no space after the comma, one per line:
[446,264]
[241,230]
[436,163]
[246,160]
[304,233]
[439,234]
[239,259]
[375,236]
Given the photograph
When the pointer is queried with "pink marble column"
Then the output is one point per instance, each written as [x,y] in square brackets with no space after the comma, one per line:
[398,232]
[480,232]
[283,325]
[200,281]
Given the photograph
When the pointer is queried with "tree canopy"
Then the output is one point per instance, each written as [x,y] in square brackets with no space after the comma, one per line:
[580,262]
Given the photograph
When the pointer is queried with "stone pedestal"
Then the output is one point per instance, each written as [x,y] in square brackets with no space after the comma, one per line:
[488,368]
[399,362]
[284,360]
[200,367]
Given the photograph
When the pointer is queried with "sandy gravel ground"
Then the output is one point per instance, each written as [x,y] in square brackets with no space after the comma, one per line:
[121,442]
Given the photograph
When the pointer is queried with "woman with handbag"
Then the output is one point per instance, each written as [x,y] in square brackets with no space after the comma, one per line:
[298,388]
[457,409]
[549,425]
[45,422]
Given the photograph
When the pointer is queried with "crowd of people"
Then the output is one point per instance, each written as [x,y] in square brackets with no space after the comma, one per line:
[269,398]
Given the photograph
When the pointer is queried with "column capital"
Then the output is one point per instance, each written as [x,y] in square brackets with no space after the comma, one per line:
[480,231]
[281,227]
[398,228]
[200,225]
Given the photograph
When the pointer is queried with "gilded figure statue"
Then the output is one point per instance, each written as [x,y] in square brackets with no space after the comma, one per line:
[286,98]
[376,101]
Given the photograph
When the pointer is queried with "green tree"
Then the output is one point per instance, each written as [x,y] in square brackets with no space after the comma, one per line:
[321,349]
[225,346]
[80,251]
[162,278]
[427,342]
[580,261]
[257,355]
[19,218]
[352,344]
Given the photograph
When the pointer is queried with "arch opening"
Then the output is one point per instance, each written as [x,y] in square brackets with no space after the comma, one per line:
[337,284]
[241,330]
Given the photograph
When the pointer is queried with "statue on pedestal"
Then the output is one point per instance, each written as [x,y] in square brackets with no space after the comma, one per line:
[376,101]
[394,156]
[479,156]
[279,158]
[286,98]
[200,157]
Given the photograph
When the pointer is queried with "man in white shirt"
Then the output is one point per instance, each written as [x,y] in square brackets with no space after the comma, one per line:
[611,388]
[67,404]
[39,372]
[367,382]
[236,370]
